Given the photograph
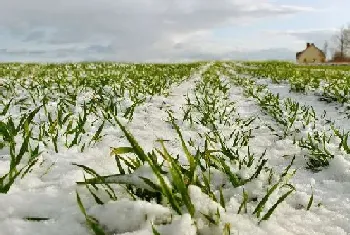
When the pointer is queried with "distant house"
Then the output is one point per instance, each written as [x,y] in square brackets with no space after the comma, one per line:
[311,54]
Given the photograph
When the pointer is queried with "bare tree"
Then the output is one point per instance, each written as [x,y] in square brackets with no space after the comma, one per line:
[342,41]
[325,48]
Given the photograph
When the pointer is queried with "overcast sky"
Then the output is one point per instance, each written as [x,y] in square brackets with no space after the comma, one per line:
[164,30]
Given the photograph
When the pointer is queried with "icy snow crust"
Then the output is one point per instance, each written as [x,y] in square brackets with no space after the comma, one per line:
[49,191]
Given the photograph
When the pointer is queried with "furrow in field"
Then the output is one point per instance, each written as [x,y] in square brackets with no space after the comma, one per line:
[150,120]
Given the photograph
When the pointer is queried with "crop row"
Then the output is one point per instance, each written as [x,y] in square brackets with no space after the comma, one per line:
[46,107]
[219,151]
[298,122]
[331,84]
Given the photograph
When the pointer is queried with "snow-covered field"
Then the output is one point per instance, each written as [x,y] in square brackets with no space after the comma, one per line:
[210,151]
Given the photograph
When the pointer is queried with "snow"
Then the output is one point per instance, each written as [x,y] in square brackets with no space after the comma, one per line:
[49,191]
[332,111]
[127,216]
[330,185]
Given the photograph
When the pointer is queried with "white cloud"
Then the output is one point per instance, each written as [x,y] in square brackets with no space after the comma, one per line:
[317,36]
[127,29]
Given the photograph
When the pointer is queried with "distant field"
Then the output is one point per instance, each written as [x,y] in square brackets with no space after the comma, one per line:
[192,148]
[327,65]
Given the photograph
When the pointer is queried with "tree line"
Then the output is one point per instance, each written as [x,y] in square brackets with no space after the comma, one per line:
[340,45]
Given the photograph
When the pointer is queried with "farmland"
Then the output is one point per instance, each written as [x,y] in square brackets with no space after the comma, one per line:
[196,148]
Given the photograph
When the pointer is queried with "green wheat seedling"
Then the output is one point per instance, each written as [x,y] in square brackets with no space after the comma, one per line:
[210,102]
[319,154]
[177,173]
[90,221]
[8,133]
[343,136]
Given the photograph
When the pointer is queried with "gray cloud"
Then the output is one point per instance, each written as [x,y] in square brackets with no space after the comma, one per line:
[124,29]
